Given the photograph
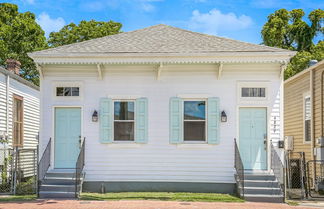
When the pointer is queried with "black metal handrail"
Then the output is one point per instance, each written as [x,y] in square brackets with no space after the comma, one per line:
[43,164]
[278,168]
[78,169]
[239,177]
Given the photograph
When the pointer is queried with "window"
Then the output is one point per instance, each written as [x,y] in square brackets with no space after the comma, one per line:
[194,121]
[253,92]
[307,118]
[67,91]
[18,121]
[124,120]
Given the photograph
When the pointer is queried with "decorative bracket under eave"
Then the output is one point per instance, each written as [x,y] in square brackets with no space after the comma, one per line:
[220,70]
[159,71]
[40,70]
[99,71]
[283,67]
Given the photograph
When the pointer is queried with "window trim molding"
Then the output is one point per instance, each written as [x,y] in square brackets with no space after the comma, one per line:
[305,96]
[21,98]
[206,120]
[113,115]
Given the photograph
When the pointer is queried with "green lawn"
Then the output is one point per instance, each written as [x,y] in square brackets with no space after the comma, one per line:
[10,198]
[167,196]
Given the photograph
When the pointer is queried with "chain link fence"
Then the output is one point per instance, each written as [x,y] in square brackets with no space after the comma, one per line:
[18,168]
[296,187]
[315,176]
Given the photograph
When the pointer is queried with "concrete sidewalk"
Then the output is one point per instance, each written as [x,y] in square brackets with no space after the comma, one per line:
[141,204]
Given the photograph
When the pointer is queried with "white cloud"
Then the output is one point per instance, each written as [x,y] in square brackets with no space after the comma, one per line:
[215,21]
[50,24]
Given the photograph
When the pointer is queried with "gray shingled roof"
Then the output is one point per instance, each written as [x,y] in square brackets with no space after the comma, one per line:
[158,39]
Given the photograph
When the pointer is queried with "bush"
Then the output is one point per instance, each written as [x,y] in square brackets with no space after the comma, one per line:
[26,187]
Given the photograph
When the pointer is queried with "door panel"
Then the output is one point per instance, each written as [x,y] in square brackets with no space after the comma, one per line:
[67,133]
[253,129]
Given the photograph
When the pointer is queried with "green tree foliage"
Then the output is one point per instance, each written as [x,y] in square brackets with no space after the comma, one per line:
[86,30]
[20,34]
[300,61]
[287,30]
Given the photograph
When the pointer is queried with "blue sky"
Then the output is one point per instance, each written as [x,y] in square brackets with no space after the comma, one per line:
[236,19]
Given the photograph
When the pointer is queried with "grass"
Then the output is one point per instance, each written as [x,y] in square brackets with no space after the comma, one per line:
[15,198]
[292,203]
[165,196]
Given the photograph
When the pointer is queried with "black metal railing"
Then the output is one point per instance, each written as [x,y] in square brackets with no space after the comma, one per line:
[239,177]
[43,164]
[278,168]
[78,169]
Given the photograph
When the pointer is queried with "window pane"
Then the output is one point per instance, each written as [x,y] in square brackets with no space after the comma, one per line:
[194,110]
[307,130]
[124,110]
[124,131]
[67,91]
[307,108]
[59,91]
[75,91]
[253,92]
[194,131]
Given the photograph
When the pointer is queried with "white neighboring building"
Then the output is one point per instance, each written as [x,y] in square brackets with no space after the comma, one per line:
[160,93]
[19,114]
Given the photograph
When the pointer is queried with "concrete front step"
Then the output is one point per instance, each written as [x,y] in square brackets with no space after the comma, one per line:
[55,194]
[60,175]
[260,183]
[264,198]
[262,190]
[262,177]
[58,180]
[57,188]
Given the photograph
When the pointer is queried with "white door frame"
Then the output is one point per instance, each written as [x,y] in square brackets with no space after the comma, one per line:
[53,129]
[268,153]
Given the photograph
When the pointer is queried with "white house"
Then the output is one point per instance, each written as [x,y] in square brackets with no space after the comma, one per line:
[159,94]
[19,115]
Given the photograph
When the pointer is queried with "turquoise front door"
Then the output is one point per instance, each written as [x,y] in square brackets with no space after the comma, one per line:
[67,136]
[252,138]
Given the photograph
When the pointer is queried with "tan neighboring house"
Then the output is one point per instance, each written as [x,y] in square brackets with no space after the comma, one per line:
[303,116]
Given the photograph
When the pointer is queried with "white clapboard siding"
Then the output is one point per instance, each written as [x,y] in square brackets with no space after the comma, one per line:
[158,160]
[31,119]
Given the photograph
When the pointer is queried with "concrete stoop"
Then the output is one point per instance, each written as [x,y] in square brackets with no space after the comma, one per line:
[58,183]
[262,187]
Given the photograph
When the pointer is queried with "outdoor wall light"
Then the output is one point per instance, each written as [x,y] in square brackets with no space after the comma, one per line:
[223,116]
[95,116]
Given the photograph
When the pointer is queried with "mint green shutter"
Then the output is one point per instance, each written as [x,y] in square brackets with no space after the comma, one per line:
[141,122]
[213,120]
[176,120]
[106,120]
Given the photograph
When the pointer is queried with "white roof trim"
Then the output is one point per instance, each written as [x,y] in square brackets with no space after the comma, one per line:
[257,58]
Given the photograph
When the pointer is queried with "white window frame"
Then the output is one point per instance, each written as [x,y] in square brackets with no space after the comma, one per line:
[206,120]
[252,84]
[307,96]
[124,100]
